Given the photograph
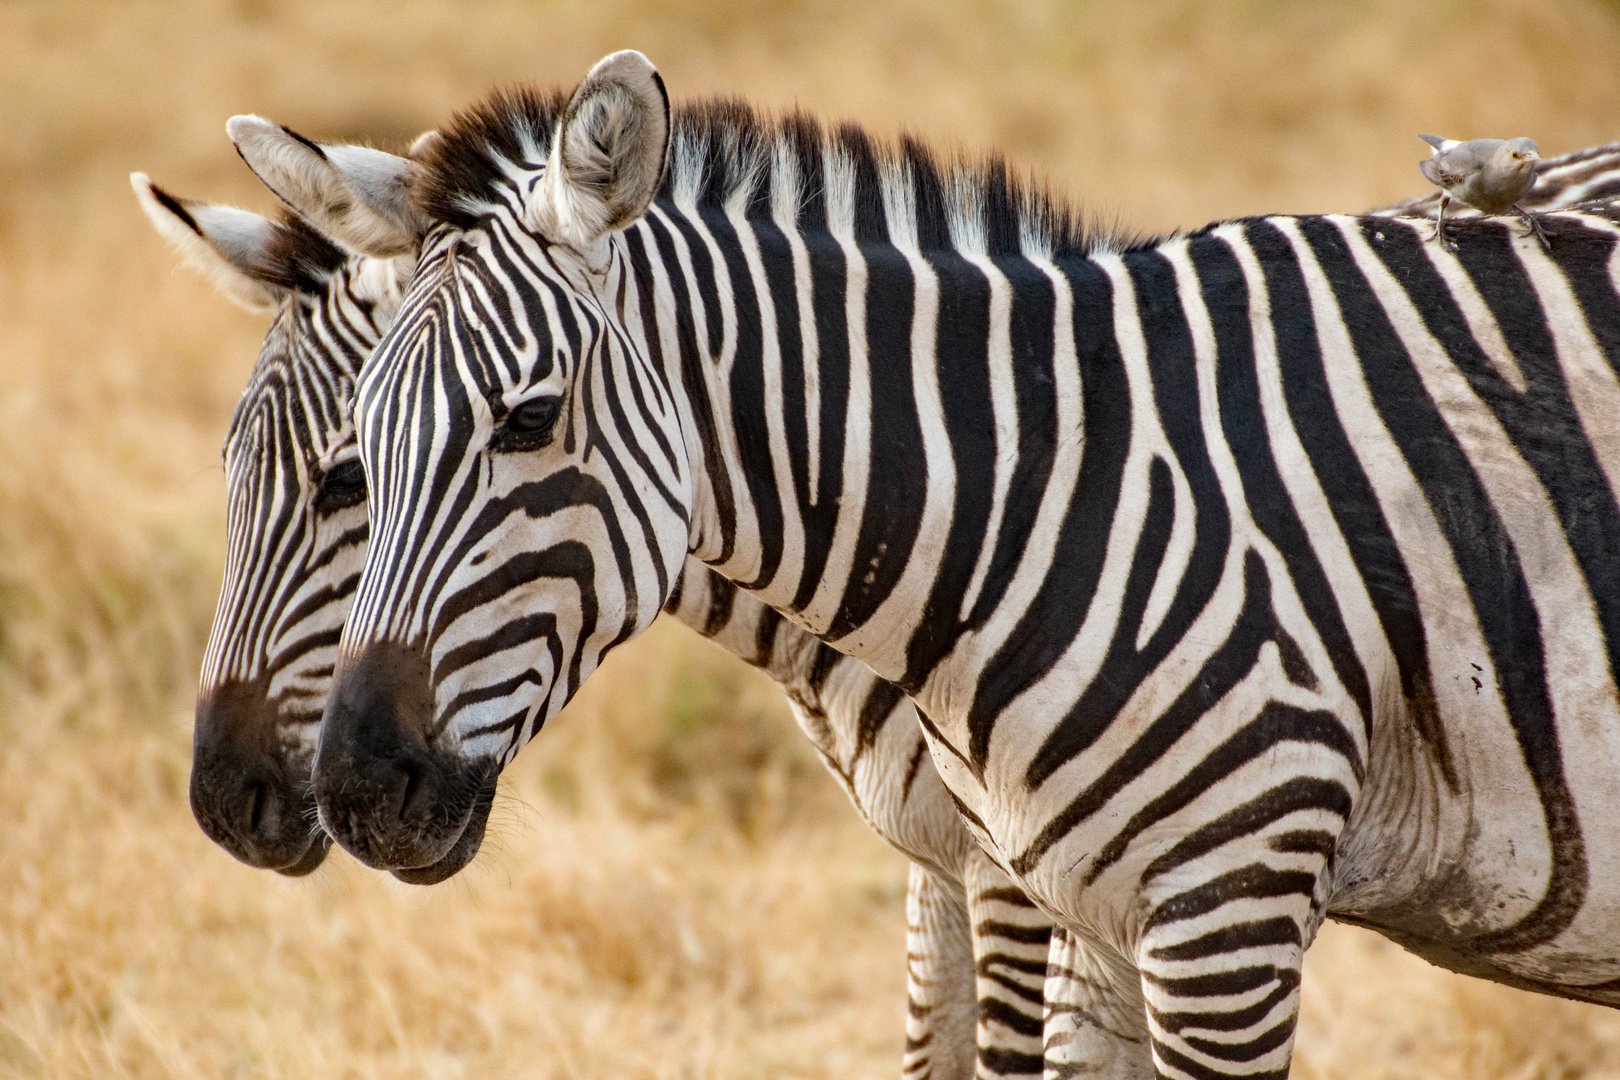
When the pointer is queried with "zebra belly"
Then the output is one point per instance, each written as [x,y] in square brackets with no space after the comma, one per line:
[1491,851]
[894,787]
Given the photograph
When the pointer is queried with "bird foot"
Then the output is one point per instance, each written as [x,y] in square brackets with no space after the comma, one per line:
[1535,226]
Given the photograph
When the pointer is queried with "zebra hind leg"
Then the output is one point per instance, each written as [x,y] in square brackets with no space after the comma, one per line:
[1011,938]
[941,1010]
[1096,1023]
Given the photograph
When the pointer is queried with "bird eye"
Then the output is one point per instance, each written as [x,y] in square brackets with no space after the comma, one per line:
[528,426]
[343,486]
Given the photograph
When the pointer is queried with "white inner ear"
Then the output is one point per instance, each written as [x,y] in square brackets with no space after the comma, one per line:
[609,155]
[221,241]
[358,196]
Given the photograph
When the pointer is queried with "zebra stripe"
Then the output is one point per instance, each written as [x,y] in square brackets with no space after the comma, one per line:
[1154,715]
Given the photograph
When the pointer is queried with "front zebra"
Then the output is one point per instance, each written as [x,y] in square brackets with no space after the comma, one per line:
[255,731]
[1250,577]
[976,947]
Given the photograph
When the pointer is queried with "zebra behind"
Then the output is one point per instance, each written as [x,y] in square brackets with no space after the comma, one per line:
[977,950]
[1255,575]
[296,518]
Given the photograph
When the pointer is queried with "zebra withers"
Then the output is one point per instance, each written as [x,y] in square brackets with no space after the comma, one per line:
[1191,553]
[976,947]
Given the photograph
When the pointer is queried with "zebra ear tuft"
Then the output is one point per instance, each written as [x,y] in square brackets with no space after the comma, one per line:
[358,196]
[225,243]
[612,147]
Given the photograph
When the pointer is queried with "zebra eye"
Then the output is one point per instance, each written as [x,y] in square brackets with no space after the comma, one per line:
[528,426]
[343,486]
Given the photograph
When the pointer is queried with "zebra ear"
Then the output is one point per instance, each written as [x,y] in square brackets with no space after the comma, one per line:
[358,196]
[227,244]
[610,152]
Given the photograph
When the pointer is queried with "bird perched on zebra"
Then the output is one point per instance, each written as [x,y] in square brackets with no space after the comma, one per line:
[1491,175]
[1581,176]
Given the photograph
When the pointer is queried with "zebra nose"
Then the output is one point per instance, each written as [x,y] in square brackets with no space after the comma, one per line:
[249,793]
[385,792]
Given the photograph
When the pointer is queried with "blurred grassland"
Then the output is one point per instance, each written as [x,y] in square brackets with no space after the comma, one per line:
[672,887]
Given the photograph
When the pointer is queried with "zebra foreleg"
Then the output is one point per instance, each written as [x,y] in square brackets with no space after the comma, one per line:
[941,1008]
[1011,938]
[1096,1023]
[1220,968]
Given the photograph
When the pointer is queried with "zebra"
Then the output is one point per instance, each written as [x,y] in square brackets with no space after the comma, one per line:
[1240,578]
[333,307]
[250,781]
[976,947]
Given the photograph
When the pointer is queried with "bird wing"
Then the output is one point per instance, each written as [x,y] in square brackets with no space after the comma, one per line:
[1436,175]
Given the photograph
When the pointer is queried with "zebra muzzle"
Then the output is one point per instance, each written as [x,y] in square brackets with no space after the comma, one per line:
[387,791]
[248,794]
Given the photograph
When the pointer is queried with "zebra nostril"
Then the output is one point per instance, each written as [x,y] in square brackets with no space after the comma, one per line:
[258,798]
[413,788]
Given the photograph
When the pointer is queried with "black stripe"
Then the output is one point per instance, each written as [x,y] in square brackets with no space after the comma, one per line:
[897,475]
[1243,423]
[1034,348]
[962,366]
[748,405]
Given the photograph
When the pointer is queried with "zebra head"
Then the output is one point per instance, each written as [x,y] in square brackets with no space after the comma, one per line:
[529,479]
[297,523]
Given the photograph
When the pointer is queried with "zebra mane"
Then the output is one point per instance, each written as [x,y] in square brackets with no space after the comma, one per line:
[725,154]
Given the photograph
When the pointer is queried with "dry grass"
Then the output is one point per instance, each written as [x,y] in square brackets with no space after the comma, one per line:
[714,911]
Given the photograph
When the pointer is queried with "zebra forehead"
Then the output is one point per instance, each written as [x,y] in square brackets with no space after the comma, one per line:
[305,371]
[728,156]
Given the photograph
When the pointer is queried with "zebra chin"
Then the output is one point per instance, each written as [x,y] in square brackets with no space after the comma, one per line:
[389,792]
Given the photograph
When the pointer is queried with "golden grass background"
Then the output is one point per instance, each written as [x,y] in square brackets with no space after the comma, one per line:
[672,888]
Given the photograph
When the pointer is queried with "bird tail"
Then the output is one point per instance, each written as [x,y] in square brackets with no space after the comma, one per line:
[1435,141]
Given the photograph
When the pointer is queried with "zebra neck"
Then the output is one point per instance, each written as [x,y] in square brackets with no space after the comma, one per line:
[713,606]
[873,427]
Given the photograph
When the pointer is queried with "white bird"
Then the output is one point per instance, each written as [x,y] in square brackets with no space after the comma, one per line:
[1491,175]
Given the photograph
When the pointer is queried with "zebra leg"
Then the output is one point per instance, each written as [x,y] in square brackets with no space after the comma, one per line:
[1011,938]
[1220,966]
[1096,1022]
[941,1009]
